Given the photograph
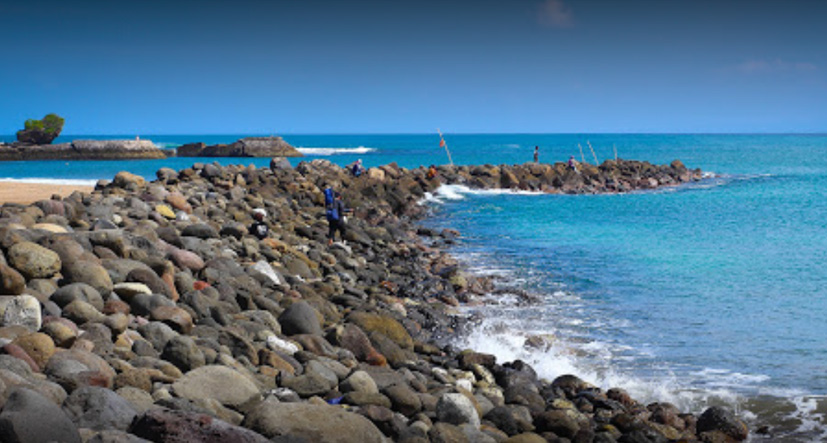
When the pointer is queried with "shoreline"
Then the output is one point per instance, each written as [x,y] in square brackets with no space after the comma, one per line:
[288,324]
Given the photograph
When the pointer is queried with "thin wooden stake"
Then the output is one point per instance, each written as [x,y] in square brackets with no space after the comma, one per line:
[593,154]
[444,145]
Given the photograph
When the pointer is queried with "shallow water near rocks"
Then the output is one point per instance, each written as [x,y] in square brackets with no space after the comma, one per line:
[712,293]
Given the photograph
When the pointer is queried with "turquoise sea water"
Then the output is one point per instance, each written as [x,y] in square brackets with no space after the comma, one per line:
[710,293]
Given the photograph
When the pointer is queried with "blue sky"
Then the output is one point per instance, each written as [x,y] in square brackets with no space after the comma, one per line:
[330,66]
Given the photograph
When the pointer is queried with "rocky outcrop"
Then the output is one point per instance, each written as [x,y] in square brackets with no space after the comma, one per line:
[158,316]
[245,147]
[84,150]
[41,132]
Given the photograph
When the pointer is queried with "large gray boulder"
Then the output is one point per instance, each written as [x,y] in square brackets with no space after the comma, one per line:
[99,408]
[219,383]
[310,422]
[300,318]
[29,417]
[457,409]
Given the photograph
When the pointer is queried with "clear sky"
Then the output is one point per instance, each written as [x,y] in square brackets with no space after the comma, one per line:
[399,66]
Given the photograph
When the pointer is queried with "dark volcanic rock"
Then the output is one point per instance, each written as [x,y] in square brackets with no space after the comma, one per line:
[717,418]
[164,425]
[300,318]
[245,147]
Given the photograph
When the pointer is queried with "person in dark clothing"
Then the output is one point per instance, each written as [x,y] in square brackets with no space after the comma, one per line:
[357,169]
[336,219]
[536,154]
[259,228]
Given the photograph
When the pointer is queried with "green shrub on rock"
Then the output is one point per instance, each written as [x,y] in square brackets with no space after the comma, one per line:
[41,132]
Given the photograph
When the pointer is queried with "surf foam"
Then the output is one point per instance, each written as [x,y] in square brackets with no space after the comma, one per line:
[335,151]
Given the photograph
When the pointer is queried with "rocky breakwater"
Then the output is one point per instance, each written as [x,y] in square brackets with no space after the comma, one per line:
[84,150]
[245,147]
[144,311]
[609,177]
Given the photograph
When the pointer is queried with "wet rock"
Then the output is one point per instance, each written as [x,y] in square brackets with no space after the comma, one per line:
[558,421]
[719,419]
[388,326]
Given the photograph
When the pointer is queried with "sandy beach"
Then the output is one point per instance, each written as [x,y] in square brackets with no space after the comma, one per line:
[17,192]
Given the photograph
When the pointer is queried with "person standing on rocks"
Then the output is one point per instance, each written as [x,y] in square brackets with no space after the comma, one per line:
[572,163]
[432,172]
[335,213]
[259,228]
[536,154]
[357,169]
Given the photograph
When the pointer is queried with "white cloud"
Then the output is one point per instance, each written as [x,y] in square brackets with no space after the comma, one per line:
[555,13]
[772,66]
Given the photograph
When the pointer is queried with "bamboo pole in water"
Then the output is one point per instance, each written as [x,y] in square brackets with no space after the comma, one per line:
[444,145]
[593,154]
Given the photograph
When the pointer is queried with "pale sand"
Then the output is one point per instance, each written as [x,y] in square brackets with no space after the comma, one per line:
[16,192]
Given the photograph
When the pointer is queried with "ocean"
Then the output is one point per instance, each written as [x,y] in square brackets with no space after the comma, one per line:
[709,293]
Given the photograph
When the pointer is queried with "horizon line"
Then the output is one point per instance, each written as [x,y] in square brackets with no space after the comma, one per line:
[245,134]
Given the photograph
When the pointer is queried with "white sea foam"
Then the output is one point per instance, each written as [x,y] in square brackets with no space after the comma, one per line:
[335,151]
[458,192]
[51,181]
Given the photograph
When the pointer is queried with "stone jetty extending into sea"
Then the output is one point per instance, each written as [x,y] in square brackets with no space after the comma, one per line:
[84,150]
[144,311]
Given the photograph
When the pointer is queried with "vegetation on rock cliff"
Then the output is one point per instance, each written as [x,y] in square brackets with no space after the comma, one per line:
[41,132]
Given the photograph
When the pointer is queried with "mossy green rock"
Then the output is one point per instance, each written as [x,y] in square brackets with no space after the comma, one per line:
[41,132]
[385,325]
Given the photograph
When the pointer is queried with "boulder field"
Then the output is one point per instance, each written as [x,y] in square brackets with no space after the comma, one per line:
[144,311]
